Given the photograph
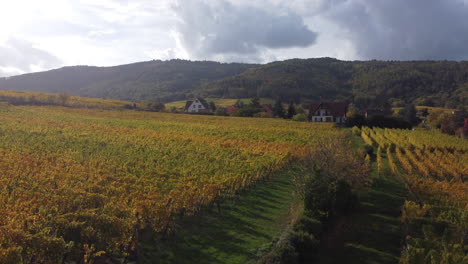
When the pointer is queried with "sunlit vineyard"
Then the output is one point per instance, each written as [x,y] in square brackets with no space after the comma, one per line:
[38,98]
[77,183]
[434,167]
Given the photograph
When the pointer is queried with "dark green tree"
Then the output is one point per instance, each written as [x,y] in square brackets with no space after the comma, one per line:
[212,106]
[155,106]
[291,110]
[239,104]
[278,110]
[409,114]
[255,103]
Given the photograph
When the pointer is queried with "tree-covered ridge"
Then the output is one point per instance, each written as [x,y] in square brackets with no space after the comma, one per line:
[366,83]
[430,83]
[164,80]
[371,83]
[292,80]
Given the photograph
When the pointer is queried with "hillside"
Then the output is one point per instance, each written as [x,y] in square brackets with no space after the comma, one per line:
[163,80]
[367,83]
[371,83]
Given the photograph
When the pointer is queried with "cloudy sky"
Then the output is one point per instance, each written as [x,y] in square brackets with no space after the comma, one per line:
[46,34]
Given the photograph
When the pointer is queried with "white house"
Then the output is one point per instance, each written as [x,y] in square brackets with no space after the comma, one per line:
[198,105]
[328,112]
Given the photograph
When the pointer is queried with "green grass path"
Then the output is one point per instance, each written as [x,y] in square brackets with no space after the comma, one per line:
[373,234]
[237,235]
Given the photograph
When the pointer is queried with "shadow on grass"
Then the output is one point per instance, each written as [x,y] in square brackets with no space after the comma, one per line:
[234,236]
[373,234]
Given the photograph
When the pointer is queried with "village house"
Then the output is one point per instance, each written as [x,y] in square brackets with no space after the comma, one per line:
[328,112]
[199,105]
[267,110]
[231,110]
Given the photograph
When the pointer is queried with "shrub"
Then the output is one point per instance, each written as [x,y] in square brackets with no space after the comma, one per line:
[220,111]
[356,131]
[306,246]
[309,224]
[300,117]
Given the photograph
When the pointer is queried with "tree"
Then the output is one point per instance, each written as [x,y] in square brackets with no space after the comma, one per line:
[63,98]
[239,104]
[291,110]
[155,106]
[212,106]
[300,109]
[255,103]
[409,114]
[278,110]
[352,111]
[357,120]
[220,111]
[300,117]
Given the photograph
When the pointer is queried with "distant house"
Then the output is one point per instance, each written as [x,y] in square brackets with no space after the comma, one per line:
[231,110]
[199,105]
[267,110]
[328,112]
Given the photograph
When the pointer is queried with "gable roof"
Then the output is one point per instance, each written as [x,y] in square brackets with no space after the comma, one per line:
[187,105]
[201,100]
[231,109]
[267,108]
[335,108]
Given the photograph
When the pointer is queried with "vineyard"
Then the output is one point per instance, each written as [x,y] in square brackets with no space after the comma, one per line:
[63,99]
[434,168]
[79,183]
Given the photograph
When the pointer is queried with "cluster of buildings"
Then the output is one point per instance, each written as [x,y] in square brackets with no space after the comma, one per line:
[320,112]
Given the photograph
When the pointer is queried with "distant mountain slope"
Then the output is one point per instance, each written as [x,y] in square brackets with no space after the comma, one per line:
[164,80]
[367,83]
[371,83]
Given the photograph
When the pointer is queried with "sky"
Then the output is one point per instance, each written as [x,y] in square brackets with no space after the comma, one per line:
[48,34]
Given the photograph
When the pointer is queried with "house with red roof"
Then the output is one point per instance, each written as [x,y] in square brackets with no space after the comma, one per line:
[328,112]
[231,110]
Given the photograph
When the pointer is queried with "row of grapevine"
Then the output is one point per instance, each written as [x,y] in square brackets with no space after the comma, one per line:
[77,183]
[434,168]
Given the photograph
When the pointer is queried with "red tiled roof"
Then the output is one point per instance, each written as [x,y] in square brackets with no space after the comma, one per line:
[231,109]
[335,108]
[267,108]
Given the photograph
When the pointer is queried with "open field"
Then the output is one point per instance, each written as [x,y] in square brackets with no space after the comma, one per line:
[38,98]
[221,102]
[80,183]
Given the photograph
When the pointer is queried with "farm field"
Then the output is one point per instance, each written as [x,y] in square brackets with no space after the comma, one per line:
[38,98]
[82,183]
[221,102]
[434,169]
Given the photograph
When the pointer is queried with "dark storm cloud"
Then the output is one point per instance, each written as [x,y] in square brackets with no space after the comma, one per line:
[23,56]
[404,29]
[206,29]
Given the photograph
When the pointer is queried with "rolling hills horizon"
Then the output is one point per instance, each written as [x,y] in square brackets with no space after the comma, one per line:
[366,83]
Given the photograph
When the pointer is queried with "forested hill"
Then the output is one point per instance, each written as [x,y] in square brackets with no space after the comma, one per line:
[367,83]
[370,83]
[163,80]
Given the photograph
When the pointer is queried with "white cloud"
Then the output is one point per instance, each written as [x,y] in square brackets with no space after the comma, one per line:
[19,56]
[226,31]
[37,35]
